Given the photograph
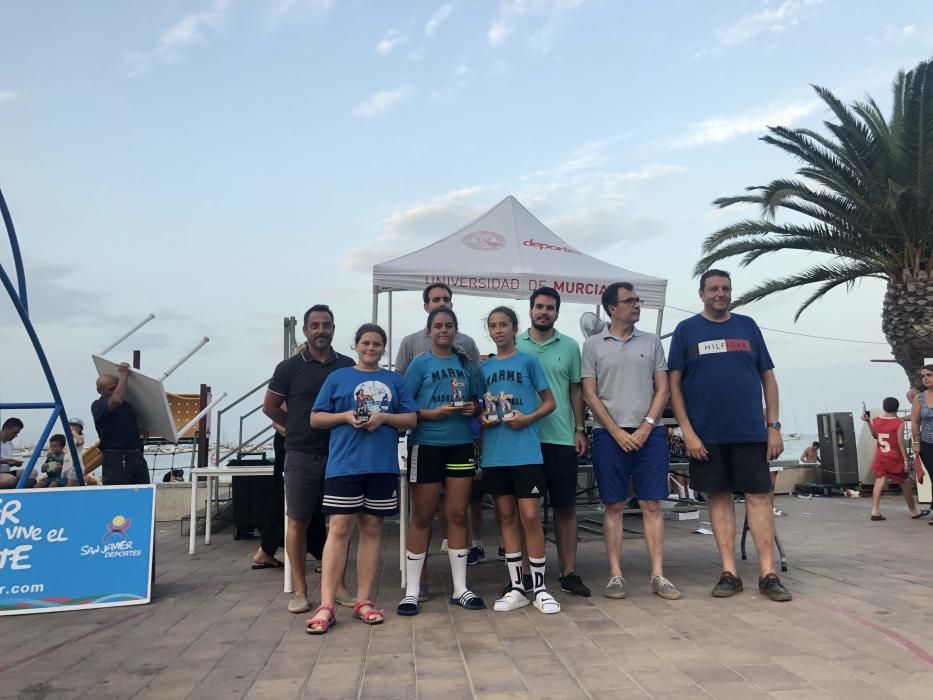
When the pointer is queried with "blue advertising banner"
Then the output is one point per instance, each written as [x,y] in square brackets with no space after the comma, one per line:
[75,548]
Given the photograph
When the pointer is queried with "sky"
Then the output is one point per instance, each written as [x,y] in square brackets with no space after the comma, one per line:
[225,164]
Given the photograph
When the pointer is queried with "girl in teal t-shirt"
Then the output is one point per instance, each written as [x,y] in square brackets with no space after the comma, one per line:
[443,384]
[510,382]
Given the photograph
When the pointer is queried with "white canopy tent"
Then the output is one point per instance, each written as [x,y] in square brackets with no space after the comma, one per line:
[508,253]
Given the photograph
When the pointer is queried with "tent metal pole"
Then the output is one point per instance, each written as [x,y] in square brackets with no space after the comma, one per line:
[657,330]
[375,304]
[390,329]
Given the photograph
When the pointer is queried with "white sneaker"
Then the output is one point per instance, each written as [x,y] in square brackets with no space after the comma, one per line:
[513,600]
[546,603]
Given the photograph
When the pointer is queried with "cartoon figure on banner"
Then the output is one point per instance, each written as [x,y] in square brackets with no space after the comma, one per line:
[456,393]
[489,404]
[116,529]
[362,408]
[505,400]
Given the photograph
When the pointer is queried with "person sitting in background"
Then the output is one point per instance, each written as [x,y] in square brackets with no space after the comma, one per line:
[53,468]
[810,454]
[174,476]
[9,431]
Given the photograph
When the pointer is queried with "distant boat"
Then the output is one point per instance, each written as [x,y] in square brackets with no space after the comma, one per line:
[792,436]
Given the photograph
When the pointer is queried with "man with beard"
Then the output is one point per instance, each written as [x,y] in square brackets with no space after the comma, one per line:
[562,438]
[297,381]
[434,297]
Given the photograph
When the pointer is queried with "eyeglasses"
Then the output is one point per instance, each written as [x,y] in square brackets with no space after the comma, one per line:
[631,301]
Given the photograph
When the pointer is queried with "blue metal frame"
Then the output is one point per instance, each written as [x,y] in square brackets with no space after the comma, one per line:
[20,303]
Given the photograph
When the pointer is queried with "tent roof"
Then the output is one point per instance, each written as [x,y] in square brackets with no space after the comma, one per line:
[507,252]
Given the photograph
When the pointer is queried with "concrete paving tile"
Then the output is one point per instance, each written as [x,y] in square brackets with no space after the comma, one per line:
[500,680]
[733,691]
[810,668]
[671,682]
[276,689]
[800,694]
[771,677]
[853,689]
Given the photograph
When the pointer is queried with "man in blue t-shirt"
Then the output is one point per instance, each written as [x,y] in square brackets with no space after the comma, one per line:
[719,364]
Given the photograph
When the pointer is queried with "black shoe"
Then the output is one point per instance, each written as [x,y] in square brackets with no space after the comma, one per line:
[729,584]
[526,583]
[771,587]
[573,584]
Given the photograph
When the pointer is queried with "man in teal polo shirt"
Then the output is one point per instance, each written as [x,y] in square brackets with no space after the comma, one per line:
[562,439]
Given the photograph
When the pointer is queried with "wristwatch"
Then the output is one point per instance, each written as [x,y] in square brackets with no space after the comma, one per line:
[776,425]
[581,429]
[649,420]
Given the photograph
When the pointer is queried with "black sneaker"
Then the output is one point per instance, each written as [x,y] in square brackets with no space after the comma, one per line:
[526,583]
[771,587]
[573,584]
[729,584]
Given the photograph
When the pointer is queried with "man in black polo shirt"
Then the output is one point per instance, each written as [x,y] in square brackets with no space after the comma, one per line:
[118,430]
[298,380]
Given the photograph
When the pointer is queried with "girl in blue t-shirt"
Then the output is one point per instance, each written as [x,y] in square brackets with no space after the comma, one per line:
[511,383]
[364,407]
[443,384]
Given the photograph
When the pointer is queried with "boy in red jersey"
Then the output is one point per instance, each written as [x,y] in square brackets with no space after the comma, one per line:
[890,462]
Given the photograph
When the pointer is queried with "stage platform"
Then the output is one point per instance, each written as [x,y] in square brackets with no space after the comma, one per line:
[860,626]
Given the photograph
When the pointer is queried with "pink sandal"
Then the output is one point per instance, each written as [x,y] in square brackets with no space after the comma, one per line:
[322,624]
[370,617]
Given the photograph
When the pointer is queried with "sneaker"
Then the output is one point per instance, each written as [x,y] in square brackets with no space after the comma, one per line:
[573,584]
[526,584]
[513,600]
[729,584]
[771,587]
[663,588]
[476,555]
[546,603]
[424,593]
[615,588]
[299,603]
[501,553]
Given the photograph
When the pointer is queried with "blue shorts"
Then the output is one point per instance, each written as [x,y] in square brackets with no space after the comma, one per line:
[647,467]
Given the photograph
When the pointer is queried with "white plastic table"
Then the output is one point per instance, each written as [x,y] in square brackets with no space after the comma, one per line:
[212,474]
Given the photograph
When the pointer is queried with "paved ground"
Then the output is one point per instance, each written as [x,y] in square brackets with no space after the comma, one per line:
[861,626]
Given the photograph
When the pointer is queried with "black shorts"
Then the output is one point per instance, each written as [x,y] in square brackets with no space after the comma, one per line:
[733,466]
[304,483]
[431,464]
[560,471]
[374,494]
[524,481]
[124,467]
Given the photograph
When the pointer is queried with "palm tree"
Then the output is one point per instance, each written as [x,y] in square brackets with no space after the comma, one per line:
[863,199]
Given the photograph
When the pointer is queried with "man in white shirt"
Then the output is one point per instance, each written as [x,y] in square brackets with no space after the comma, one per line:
[9,431]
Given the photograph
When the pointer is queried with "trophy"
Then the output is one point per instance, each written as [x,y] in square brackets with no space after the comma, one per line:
[362,410]
[456,395]
[489,404]
[505,400]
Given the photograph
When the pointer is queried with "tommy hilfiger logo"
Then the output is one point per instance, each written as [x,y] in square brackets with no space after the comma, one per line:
[725,345]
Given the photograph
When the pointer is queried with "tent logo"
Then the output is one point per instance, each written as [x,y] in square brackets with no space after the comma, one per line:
[484,240]
[532,243]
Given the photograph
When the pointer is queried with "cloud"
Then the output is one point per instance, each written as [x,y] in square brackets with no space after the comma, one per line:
[592,208]
[419,224]
[379,102]
[7,96]
[770,20]
[893,33]
[189,30]
[722,129]
[544,15]
[390,41]
[438,18]
[298,9]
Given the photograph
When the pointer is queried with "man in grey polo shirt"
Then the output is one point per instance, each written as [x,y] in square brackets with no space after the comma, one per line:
[434,296]
[625,384]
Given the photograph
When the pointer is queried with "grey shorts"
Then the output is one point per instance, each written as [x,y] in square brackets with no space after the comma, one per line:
[304,483]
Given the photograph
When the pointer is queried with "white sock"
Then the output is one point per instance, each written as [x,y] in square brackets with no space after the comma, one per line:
[513,563]
[414,563]
[537,573]
[458,567]
[478,543]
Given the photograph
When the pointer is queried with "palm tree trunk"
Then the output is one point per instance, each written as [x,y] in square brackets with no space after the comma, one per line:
[907,321]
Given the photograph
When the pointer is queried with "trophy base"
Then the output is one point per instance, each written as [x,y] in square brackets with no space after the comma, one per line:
[508,417]
[492,419]
[457,404]
[362,419]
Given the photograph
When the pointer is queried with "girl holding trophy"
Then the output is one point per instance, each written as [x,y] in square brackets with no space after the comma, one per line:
[443,384]
[512,461]
[364,407]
